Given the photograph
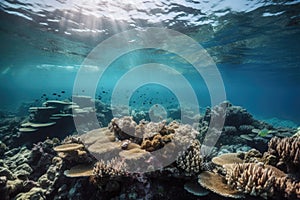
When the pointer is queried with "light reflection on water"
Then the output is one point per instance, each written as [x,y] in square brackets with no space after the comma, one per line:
[254,43]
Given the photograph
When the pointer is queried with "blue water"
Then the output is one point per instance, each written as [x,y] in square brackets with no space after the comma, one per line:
[255,45]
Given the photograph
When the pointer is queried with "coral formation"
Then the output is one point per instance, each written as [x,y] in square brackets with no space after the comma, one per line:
[216,183]
[190,160]
[109,163]
[123,128]
[195,189]
[227,158]
[156,142]
[112,168]
[257,179]
[290,188]
[79,171]
[250,178]
[287,150]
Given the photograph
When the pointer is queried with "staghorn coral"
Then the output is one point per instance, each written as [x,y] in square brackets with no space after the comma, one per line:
[190,160]
[287,150]
[255,179]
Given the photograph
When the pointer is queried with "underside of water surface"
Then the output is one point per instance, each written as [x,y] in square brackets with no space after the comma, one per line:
[157,99]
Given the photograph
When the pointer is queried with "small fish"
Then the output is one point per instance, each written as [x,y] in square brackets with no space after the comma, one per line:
[58,95]
[54,94]
[263,132]
[63,92]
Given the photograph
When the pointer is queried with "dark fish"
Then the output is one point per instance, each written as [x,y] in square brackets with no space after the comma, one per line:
[63,92]
[44,95]
[82,90]
[54,94]
[103,92]
[46,99]
[58,95]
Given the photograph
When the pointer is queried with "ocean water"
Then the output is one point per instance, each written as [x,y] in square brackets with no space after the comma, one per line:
[254,44]
[153,55]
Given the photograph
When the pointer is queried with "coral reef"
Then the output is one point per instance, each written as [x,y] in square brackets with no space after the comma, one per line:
[125,159]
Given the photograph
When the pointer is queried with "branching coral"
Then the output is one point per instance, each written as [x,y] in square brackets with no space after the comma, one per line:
[287,150]
[113,168]
[290,188]
[255,179]
[190,160]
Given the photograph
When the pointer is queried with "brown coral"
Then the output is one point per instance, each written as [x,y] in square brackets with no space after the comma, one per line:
[288,152]
[255,179]
[217,184]
[290,188]
[79,171]
[156,142]
[68,147]
[227,158]
[190,160]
